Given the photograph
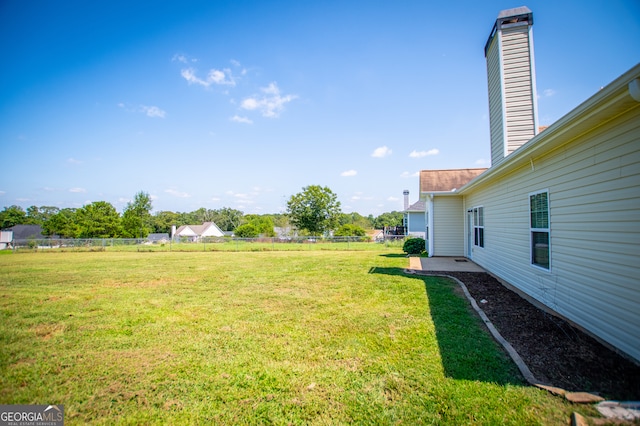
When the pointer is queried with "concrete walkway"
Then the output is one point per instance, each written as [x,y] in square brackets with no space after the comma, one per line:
[444,264]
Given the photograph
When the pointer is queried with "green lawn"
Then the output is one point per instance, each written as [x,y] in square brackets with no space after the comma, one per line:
[310,337]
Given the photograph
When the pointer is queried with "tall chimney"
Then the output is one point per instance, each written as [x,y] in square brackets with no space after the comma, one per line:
[406,199]
[513,108]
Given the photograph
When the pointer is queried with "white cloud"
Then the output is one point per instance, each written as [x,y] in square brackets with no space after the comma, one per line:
[420,154]
[381,152]
[176,193]
[77,190]
[179,58]
[548,93]
[153,111]
[481,162]
[219,77]
[72,160]
[270,104]
[393,199]
[239,119]
[2,192]
[409,175]
[349,173]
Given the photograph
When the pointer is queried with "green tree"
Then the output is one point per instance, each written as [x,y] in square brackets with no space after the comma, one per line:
[62,224]
[388,219]
[12,215]
[39,215]
[246,231]
[98,220]
[263,224]
[315,209]
[203,215]
[227,218]
[164,220]
[350,230]
[136,219]
[356,219]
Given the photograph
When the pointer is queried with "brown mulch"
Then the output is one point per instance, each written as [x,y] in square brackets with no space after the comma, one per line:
[555,351]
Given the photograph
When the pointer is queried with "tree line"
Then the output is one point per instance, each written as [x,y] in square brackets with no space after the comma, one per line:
[314,211]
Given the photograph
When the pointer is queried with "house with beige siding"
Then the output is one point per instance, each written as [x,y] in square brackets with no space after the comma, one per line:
[557,215]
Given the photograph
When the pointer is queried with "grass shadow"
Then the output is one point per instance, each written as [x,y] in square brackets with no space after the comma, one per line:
[393,255]
[467,349]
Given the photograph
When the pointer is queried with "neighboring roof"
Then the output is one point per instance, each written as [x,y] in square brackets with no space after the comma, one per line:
[22,232]
[184,230]
[446,180]
[158,237]
[197,230]
[418,206]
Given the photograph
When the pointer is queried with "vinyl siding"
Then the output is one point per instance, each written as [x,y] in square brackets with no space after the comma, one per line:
[212,231]
[518,88]
[594,207]
[494,73]
[448,229]
[417,222]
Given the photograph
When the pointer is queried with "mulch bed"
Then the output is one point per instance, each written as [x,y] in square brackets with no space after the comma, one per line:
[555,351]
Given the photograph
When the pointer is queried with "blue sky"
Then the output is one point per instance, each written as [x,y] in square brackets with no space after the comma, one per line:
[243,103]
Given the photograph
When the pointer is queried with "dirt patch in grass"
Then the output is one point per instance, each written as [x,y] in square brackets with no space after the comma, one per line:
[555,351]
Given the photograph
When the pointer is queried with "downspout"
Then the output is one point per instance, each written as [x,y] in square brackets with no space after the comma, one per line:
[430,223]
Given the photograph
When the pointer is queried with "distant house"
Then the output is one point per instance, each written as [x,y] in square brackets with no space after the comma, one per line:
[24,232]
[444,183]
[556,214]
[376,235]
[158,238]
[195,232]
[414,220]
[5,239]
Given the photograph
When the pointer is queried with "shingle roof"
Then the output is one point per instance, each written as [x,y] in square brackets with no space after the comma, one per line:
[21,232]
[446,180]
[418,206]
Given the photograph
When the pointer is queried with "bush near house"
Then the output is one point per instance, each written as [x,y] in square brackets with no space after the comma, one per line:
[414,246]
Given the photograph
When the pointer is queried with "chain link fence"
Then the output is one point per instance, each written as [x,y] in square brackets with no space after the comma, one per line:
[200,244]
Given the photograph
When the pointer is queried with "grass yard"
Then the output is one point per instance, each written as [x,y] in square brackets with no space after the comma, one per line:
[310,337]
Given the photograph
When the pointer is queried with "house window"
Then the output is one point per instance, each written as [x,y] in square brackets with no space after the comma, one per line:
[539,224]
[478,226]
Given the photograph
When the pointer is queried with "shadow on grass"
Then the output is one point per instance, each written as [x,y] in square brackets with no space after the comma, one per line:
[392,255]
[467,349]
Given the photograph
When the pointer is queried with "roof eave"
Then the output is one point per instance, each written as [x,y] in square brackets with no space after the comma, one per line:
[609,102]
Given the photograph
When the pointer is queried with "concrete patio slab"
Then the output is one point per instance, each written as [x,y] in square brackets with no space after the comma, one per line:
[446,264]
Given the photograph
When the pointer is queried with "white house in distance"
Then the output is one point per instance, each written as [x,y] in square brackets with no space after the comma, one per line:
[195,232]
[556,216]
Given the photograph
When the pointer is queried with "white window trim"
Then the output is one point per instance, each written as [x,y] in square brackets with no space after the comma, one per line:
[473,220]
[532,230]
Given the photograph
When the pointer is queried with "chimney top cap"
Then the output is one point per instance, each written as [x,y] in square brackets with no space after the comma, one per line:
[513,13]
[518,15]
